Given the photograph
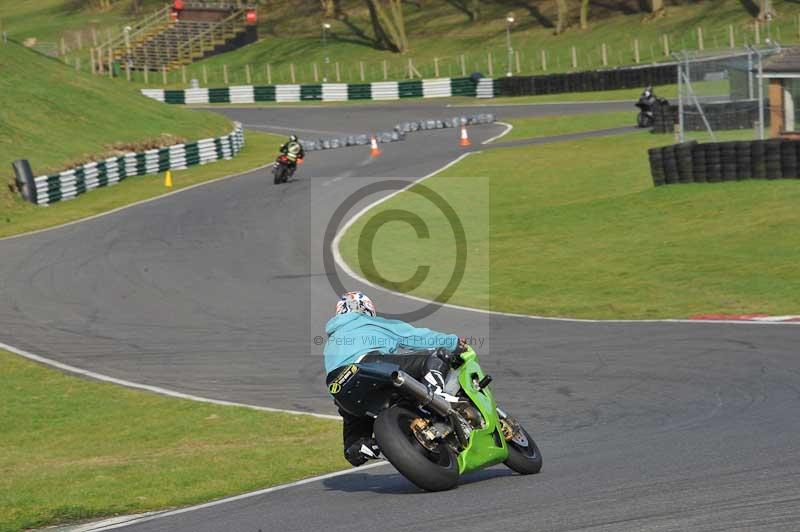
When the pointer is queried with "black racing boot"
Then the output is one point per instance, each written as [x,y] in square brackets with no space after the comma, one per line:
[362,450]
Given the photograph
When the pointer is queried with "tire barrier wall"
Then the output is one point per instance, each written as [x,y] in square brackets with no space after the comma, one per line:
[588,81]
[324,92]
[715,162]
[610,79]
[398,133]
[76,181]
[720,116]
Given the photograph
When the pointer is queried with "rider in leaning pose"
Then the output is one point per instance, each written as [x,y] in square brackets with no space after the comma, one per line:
[356,334]
[293,151]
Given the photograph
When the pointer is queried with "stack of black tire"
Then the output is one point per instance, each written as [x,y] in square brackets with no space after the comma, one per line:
[789,159]
[664,118]
[721,117]
[714,162]
[758,163]
[727,152]
[772,158]
[683,155]
[699,163]
[588,81]
[672,164]
[656,156]
[744,166]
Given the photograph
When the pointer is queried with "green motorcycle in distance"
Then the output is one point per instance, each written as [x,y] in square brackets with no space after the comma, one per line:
[429,439]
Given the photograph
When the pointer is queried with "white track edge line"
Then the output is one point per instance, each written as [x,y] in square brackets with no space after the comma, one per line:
[235,498]
[154,389]
[508,129]
[337,257]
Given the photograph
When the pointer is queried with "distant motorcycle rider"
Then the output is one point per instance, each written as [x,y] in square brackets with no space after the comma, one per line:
[647,104]
[357,335]
[293,151]
[647,97]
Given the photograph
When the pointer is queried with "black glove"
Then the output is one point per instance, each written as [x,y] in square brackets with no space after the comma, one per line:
[362,450]
[462,346]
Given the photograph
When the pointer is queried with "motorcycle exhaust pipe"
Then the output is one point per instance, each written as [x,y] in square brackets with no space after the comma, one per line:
[412,387]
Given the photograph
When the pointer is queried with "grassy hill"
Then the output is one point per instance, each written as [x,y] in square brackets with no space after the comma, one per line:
[291,34]
[441,30]
[49,20]
[53,116]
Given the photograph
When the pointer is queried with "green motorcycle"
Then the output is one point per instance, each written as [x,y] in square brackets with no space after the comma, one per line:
[430,440]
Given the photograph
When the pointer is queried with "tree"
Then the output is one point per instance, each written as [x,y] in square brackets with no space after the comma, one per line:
[473,7]
[563,11]
[656,5]
[584,14]
[765,11]
[331,8]
[388,24]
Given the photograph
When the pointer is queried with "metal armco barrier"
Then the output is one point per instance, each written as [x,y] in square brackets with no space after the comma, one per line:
[76,181]
[715,162]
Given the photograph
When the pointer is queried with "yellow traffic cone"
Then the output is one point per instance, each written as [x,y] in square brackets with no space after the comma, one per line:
[168,179]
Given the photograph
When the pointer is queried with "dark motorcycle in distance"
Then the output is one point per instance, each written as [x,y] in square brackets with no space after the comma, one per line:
[284,169]
[647,105]
[430,440]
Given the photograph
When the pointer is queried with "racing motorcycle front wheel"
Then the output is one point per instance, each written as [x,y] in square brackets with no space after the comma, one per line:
[523,453]
[430,465]
[280,174]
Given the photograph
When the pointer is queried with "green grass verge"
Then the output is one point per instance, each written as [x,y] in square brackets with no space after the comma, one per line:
[74,449]
[577,229]
[546,126]
[18,216]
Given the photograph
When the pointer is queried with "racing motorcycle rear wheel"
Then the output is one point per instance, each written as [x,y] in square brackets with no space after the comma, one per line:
[432,467]
[644,120]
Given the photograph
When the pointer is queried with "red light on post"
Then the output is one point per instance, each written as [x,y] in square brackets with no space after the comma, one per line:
[178,5]
[251,16]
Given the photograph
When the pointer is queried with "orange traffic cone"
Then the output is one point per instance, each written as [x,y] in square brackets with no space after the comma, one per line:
[374,145]
[464,137]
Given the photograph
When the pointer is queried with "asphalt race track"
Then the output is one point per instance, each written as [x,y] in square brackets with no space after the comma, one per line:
[219,292]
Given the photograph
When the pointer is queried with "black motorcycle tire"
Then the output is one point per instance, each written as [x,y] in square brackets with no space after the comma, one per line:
[644,120]
[426,470]
[280,174]
[524,460]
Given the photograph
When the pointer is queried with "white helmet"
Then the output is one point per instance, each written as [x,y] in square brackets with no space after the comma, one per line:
[355,302]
